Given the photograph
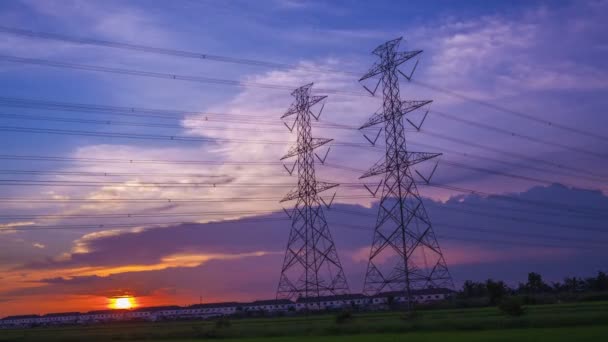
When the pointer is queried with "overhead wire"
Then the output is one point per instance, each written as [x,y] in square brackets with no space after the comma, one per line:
[270,64]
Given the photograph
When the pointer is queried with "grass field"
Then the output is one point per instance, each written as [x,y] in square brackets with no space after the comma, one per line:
[578,334]
[579,322]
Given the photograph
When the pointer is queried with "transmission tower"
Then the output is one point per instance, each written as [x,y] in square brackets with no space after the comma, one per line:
[311,267]
[405,254]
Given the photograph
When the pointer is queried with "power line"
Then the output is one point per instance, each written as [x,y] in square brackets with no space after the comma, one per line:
[468,239]
[120,226]
[20,129]
[131,123]
[160,75]
[271,64]
[501,197]
[155,50]
[519,135]
[552,171]
[157,200]
[38,182]
[508,153]
[167,114]
[135,215]
[501,217]
[188,225]
[520,114]
[503,174]
[210,162]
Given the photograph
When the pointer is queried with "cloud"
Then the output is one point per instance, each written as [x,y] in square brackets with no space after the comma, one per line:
[191,245]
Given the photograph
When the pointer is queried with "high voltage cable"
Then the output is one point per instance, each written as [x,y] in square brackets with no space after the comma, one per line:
[19,129]
[504,233]
[512,233]
[508,153]
[512,112]
[519,135]
[504,174]
[157,200]
[567,172]
[270,64]
[132,111]
[150,184]
[207,162]
[133,215]
[122,123]
[134,124]
[154,113]
[168,76]
[554,212]
[502,197]
[119,174]
[501,217]
[120,226]
[448,237]
[241,121]
[567,226]
[149,49]
[187,225]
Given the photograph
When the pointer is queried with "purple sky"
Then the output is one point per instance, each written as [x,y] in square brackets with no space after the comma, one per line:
[545,60]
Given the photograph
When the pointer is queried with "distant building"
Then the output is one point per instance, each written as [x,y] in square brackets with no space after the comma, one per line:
[209,310]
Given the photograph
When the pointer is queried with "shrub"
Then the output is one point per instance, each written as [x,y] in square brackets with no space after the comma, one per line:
[223,323]
[344,317]
[512,306]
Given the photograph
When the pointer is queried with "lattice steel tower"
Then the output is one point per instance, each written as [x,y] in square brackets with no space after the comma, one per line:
[311,267]
[405,254]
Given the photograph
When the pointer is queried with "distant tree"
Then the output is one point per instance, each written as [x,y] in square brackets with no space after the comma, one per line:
[599,283]
[496,290]
[536,284]
[602,281]
[471,289]
[572,284]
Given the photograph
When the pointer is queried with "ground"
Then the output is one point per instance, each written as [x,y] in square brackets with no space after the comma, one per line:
[557,322]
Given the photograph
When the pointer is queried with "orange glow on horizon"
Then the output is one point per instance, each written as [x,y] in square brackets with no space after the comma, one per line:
[122,303]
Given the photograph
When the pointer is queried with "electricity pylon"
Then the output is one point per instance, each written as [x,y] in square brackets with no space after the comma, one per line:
[311,267]
[405,254]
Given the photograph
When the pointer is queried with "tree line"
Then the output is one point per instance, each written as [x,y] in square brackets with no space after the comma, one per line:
[535,286]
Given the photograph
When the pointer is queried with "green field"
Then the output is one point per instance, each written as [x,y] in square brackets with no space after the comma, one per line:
[557,322]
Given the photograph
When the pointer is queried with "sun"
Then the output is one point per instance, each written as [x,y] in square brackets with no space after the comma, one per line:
[122,303]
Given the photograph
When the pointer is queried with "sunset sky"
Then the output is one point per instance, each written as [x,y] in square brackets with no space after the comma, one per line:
[89,216]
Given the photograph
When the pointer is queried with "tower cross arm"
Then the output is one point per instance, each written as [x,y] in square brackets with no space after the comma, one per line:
[296,150]
[297,193]
[404,108]
[376,69]
[293,109]
[375,119]
[410,106]
[402,57]
[316,99]
[410,158]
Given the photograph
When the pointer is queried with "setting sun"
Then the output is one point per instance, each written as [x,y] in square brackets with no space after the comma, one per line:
[122,303]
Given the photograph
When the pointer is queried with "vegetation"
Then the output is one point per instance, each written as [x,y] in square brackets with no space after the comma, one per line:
[377,326]
[534,291]
[512,306]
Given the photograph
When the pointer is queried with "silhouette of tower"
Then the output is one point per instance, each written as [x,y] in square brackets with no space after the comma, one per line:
[404,254]
[311,267]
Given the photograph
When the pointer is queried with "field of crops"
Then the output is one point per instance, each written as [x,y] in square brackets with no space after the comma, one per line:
[580,322]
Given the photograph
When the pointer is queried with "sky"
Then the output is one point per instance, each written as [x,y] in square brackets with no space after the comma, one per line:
[519,95]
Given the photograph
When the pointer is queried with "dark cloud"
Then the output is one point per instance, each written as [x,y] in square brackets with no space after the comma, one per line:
[476,244]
